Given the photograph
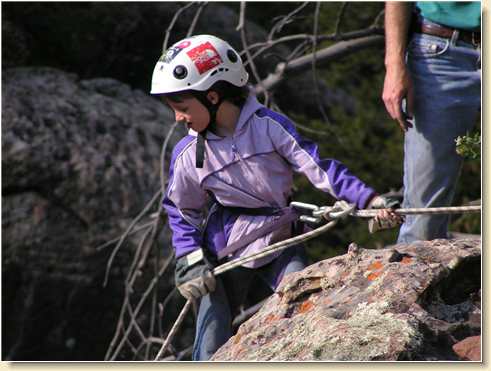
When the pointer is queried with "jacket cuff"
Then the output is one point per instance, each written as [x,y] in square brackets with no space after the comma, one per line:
[365,199]
[194,257]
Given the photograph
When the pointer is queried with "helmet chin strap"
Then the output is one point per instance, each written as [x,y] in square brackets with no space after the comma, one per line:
[212,110]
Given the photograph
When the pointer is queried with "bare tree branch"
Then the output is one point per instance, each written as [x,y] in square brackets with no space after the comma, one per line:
[162,308]
[314,62]
[195,19]
[241,24]
[135,230]
[308,38]
[250,60]
[172,23]
[340,18]
[128,231]
[153,306]
[139,306]
[284,20]
[324,56]
[377,21]
[157,224]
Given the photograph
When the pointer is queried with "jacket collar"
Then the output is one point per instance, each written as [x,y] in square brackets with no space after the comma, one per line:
[251,106]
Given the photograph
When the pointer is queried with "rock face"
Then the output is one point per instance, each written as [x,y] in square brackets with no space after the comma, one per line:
[409,302]
[80,159]
[469,349]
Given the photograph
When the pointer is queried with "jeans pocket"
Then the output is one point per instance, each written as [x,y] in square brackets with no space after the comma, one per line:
[426,46]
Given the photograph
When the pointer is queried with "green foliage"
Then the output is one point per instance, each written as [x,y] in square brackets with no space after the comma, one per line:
[469,146]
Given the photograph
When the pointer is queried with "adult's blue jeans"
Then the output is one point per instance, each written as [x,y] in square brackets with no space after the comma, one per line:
[214,322]
[446,77]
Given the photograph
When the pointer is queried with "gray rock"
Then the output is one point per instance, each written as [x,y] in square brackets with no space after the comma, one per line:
[409,302]
[80,159]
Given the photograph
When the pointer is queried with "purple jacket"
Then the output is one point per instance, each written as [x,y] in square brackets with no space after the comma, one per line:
[253,168]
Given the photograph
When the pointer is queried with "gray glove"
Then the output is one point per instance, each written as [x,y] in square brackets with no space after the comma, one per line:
[193,275]
[386,220]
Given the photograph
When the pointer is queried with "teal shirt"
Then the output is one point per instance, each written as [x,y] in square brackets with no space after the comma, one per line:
[463,15]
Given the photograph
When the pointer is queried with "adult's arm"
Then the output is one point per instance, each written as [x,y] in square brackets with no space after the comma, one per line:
[397,84]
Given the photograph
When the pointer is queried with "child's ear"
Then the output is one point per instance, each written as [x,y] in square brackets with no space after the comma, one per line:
[213,97]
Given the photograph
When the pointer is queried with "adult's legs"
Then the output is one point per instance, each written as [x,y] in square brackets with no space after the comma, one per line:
[446,83]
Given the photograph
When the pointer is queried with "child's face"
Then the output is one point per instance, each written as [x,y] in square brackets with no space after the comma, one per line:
[191,112]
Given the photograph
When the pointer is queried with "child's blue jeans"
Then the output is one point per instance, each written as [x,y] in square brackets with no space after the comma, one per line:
[214,322]
[446,78]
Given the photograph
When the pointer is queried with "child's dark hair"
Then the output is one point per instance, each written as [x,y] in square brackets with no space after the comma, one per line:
[236,95]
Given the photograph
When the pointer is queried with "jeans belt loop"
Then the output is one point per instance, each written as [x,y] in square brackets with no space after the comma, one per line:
[455,37]
[474,42]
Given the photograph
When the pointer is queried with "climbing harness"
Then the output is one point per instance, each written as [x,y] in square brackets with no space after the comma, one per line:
[315,215]
[286,216]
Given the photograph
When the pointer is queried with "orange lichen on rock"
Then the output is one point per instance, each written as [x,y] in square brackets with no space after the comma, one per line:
[237,352]
[237,338]
[305,306]
[375,265]
[270,318]
[406,260]
[373,276]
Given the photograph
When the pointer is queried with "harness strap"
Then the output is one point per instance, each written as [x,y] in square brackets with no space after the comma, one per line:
[212,110]
[253,211]
[200,150]
[288,216]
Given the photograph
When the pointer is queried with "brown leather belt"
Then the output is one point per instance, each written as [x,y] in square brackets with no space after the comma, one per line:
[420,26]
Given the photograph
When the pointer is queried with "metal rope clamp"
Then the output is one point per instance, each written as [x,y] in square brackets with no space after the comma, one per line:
[317,214]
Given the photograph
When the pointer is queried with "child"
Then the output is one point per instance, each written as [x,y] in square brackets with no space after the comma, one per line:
[237,162]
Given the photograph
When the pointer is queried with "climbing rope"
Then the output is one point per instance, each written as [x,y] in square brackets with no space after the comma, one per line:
[429,210]
[239,261]
[340,210]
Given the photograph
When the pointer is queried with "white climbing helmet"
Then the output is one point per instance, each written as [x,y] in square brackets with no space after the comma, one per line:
[196,63]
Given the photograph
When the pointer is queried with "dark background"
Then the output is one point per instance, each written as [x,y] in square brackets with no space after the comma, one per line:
[122,41]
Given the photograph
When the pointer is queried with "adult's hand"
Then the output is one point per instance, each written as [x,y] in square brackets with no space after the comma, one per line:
[398,86]
[386,217]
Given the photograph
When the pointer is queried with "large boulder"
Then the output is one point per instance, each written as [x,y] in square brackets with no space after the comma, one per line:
[409,302]
[80,159]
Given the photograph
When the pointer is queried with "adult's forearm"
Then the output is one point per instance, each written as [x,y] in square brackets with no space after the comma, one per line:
[397,20]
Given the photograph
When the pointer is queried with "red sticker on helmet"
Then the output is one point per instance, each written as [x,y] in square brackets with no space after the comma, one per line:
[205,57]
[184,44]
